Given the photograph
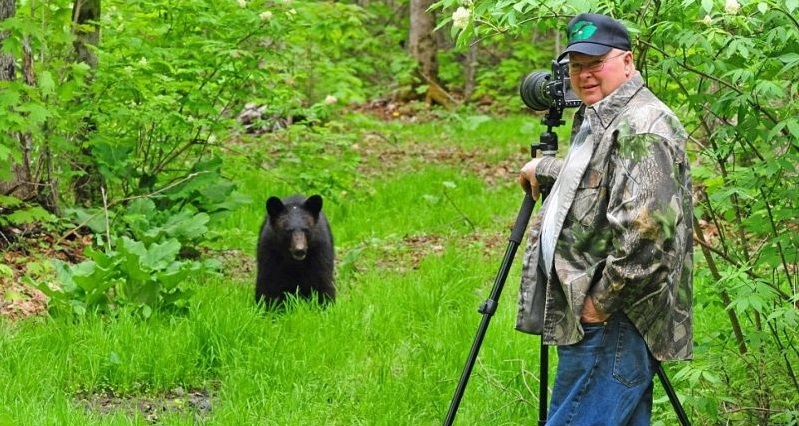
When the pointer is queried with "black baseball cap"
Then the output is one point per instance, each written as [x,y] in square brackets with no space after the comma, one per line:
[595,35]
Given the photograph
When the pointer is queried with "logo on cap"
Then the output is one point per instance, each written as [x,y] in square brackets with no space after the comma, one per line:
[582,30]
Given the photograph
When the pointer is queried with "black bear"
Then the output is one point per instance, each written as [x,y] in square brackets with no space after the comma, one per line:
[295,252]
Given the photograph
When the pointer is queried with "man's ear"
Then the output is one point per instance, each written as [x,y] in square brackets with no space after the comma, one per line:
[628,64]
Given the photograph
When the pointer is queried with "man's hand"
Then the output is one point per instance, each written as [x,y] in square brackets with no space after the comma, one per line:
[528,180]
[590,313]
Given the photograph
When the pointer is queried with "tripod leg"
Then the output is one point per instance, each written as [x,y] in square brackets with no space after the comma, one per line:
[543,383]
[675,402]
[490,305]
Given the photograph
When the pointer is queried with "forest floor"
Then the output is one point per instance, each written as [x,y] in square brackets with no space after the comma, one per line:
[24,249]
[27,250]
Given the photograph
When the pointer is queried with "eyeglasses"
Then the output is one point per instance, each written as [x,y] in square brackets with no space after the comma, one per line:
[590,66]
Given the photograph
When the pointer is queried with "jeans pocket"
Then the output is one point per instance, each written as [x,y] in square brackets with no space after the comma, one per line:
[631,365]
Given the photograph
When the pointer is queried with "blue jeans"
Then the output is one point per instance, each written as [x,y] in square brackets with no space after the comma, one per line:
[606,379]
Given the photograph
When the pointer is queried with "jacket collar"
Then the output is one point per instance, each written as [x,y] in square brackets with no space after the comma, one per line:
[603,112]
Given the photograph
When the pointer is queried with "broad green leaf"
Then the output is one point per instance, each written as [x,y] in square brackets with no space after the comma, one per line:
[187,226]
[793,126]
[160,256]
[35,113]
[134,263]
[33,214]
[172,279]
[46,82]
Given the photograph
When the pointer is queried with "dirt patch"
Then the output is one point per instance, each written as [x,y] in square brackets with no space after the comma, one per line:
[408,253]
[27,252]
[380,152]
[19,301]
[238,265]
[194,402]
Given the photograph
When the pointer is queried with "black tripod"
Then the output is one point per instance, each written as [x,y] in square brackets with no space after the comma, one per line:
[548,145]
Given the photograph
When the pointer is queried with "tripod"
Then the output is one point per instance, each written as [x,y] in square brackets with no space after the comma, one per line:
[548,145]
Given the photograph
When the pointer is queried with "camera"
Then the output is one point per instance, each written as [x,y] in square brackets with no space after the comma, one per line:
[542,90]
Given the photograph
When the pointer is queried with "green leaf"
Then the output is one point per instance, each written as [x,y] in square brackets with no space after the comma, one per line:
[6,173]
[146,294]
[130,246]
[146,311]
[5,271]
[793,126]
[94,219]
[160,256]
[133,263]
[46,82]
[33,214]
[93,280]
[78,308]
[171,279]
[9,201]
[186,226]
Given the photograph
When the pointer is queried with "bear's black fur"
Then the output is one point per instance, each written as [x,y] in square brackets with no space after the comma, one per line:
[295,252]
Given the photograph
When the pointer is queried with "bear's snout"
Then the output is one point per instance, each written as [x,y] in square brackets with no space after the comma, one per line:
[299,246]
[299,254]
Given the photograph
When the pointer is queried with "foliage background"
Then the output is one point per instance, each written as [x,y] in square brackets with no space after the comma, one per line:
[157,121]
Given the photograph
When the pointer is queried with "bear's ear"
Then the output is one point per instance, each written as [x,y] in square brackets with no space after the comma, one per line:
[314,204]
[274,206]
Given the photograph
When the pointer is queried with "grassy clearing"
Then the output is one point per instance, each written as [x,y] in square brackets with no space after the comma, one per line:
[419,238]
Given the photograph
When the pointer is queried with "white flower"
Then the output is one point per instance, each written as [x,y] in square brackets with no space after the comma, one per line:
[330,100]
[460,18]
[707,20]
[732,7]
[242,3]
[265,16]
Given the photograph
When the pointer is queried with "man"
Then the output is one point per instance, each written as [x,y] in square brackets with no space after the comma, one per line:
[607,271]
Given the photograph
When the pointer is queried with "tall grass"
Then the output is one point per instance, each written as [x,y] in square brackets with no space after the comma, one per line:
[419,243]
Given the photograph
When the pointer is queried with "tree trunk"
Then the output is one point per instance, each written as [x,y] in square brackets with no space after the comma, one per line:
[421,41]
[470,64]
[8,9]
[422,46]
[21,183]
[85,18]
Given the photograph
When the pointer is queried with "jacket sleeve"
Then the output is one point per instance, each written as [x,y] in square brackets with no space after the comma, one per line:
[548,169]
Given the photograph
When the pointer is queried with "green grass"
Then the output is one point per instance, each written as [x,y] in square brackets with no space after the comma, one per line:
[419,243]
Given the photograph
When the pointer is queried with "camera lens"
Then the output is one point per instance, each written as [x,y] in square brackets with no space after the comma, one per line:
[535,92]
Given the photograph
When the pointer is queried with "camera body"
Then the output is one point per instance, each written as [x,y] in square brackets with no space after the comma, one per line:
[542,90]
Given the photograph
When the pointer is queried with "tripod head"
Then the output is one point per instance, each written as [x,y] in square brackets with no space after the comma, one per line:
[548,141]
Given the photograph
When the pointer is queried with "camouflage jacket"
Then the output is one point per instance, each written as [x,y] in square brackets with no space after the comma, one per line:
[627,236]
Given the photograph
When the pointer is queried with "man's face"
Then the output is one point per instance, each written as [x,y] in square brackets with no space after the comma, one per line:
[595,77]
